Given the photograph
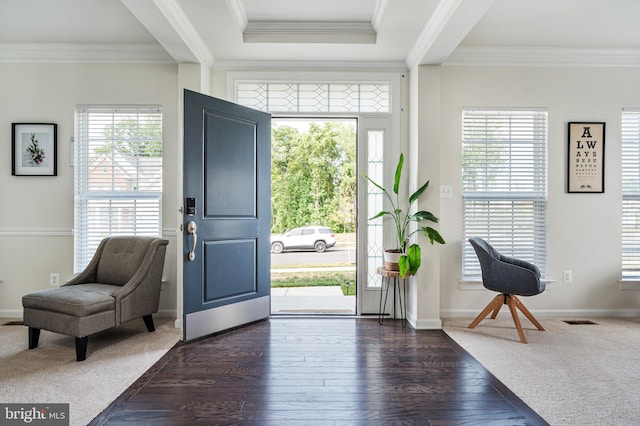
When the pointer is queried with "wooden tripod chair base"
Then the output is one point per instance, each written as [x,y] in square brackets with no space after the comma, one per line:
[512,302]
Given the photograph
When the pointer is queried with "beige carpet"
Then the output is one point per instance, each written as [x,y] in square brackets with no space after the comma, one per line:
[50,373]
[569,374]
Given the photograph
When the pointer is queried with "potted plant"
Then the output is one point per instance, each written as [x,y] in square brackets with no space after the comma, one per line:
[408,257]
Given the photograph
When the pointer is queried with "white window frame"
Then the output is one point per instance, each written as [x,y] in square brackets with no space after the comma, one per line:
[506,203]
[117,186]
[630,171]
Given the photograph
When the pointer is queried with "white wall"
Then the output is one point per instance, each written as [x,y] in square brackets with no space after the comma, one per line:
[36,213]
[583,229]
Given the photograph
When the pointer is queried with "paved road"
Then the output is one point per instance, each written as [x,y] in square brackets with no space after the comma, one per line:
[333,255]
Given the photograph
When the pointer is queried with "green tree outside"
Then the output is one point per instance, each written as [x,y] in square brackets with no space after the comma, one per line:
[133,138]
[314,176]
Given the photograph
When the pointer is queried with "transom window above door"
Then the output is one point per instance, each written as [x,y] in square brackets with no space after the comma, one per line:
[314,97]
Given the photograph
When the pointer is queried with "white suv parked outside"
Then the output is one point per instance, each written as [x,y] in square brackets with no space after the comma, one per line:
[318,238]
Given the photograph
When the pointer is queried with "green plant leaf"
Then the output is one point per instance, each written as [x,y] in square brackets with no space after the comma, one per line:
[418,193]
[380,214]
[410,261]
[433,235]
[413,253]
[403,265]
[374,183]
[424,215]
[396,179]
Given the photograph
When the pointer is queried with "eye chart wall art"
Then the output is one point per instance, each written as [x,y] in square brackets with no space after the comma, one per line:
[586,157]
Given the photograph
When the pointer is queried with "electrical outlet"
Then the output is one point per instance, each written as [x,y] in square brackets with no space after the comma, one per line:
[446,191]
[54,279]
[567,276]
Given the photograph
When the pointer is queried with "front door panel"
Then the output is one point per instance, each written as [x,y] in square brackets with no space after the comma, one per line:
[222,282]
[227,170]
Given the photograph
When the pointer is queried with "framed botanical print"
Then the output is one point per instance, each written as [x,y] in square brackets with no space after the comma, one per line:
[34,149]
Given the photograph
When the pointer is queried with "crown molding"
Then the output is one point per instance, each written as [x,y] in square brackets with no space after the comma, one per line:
[309,32]
[543,56]
[98,53]
[366,66]
[236,8]
[378,14]
[462,56]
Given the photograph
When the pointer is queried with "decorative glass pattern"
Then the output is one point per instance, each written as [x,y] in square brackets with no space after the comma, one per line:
[315,97]
[375,243]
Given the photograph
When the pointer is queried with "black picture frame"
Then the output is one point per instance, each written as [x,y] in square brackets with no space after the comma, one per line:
[585,165]
[34,149]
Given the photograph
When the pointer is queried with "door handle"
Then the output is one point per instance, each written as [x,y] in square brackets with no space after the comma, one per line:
[191,229]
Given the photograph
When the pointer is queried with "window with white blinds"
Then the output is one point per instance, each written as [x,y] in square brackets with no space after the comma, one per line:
[118,175]
[504,184]
[630,193]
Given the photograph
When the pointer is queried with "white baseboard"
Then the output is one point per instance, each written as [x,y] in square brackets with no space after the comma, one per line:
[10,313]
[166,313]
[549,313]
[425,323]
[170,313]
[436,323]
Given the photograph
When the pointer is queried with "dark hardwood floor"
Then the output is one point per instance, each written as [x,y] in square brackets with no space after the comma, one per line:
[319,371]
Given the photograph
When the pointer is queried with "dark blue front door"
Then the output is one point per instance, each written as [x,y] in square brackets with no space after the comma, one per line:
[226,229]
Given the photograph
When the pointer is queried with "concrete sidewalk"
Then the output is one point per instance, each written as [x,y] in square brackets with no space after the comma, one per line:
[318,269]
[311,300]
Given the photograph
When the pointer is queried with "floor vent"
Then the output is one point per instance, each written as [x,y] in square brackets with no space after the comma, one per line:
[580,322]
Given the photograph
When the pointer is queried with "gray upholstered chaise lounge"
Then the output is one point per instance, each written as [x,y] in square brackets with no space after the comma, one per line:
[121,283]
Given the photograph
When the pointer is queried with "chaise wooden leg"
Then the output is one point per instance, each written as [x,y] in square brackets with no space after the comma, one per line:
[34,336]
[148,321]
[81,348]
[494,305]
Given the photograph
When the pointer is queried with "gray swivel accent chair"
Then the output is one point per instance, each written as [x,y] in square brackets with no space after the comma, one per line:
[510,277]
[121,283]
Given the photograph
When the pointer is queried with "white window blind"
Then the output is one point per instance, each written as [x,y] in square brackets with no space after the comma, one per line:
[118,175]
[504,184]
[631,193]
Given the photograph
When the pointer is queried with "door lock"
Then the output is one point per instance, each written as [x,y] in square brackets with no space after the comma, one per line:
[191,206]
